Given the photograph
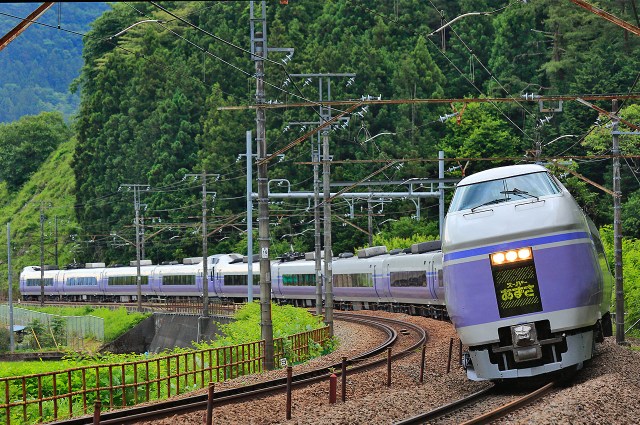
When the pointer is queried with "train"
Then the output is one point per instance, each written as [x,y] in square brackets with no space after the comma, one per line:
[527,284]
[520,272]
[408,280]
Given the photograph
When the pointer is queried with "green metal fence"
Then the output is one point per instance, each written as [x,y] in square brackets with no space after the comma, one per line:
[68,331]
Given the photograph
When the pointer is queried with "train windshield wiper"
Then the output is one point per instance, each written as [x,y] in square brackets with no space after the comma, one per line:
[495,201]
[521,193]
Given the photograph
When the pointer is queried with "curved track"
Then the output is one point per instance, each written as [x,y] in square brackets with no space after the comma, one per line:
[359,363]
[464,411]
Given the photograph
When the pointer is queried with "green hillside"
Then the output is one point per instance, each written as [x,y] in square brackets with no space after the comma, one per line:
[53,184]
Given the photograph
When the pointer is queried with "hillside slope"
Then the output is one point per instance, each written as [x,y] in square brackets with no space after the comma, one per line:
[52,187]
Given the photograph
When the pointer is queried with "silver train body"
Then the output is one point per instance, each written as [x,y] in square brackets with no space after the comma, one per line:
[527,286]
[373,279]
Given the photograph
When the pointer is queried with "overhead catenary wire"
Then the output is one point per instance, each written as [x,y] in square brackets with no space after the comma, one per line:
[463,74]
[243,176]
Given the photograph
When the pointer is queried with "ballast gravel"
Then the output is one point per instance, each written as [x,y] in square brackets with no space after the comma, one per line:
[605,391]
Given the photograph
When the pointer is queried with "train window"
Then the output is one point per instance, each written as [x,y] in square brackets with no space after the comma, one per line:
[48,281]
[82,281]
[239,279]
[356,280]
[179,279]
[408,279]
[528,186]
[127,280]
[299,279]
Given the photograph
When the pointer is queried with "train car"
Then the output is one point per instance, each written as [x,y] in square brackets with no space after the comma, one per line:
[30,283]
[230,277]
[415,278]
[409,280]
[404,280]
[294,278]
[121,283]
[81,284]
[526,283]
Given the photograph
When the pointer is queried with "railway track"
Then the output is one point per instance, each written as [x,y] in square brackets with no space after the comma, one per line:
[492,403]
[413,336]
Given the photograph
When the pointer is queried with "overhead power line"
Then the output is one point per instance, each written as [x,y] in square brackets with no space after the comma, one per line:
[358,102]
[504,158]
[608,16]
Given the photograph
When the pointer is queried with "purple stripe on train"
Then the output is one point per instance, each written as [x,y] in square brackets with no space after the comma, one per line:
[566,278]
[513,245]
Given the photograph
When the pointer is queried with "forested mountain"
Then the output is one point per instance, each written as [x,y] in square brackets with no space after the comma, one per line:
[37,68]
[149,111]
[150,114]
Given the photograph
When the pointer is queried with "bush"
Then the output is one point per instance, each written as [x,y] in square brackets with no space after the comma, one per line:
[5,339]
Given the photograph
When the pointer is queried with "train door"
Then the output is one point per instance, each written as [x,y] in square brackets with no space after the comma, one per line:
[217,279]
[383,289]
[210,275]
[432,278]
[437,276]
[200,281]
[155,281]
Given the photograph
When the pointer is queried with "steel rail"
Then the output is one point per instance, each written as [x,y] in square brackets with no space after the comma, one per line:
[472,399]
[445,409]
[198,402]
[510,407]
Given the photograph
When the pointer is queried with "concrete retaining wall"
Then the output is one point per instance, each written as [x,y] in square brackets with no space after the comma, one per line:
[164,331]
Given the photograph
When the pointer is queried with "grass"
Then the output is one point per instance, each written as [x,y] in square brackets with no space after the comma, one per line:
[116,322]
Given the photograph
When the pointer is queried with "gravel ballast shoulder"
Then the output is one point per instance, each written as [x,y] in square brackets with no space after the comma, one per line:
[605,391]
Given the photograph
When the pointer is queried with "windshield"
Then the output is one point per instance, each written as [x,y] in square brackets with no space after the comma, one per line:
[529,186]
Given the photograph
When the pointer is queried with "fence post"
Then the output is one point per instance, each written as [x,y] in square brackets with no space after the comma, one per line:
[289,378]
[422,358]
[333,383]
[389,367]
[96,412]
[450,352]
[209,418]
[344,379]
[7,400]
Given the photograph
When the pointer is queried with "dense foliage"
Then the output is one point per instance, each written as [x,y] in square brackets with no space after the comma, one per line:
[37,67]
[150,114]
[25,144]
[287,320]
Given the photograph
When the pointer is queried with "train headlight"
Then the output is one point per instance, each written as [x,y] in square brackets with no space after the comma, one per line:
[524,253]
[511,256]
[498,258]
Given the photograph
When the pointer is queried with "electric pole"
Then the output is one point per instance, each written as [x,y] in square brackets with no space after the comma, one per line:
[617,226]
[42,255]
[10,290]
[205,256]
[43,205]
[259,52]
[315,158]
[249,155]
[325,115]
[617,212]
[56,240]
[136,204]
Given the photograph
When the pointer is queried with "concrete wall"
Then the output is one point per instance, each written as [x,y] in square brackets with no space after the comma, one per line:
[164,331]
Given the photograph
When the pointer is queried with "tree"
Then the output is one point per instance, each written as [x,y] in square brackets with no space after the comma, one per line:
[26,143]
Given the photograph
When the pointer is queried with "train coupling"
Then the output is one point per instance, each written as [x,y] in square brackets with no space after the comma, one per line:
[525,343]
